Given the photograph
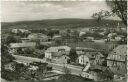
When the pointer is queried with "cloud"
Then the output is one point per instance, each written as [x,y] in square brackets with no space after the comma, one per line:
[35,10]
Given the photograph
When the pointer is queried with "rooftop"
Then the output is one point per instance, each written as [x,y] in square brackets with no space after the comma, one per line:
[55,49]
[20,45]
[119,50]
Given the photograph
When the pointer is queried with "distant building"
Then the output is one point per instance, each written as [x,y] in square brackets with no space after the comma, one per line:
[24,31]
[38,37]
[112,35]
[89,39]
[20,30]
[16,47]
[82,33]
[117,60]
[15,31]
[99,41]
[120,38]
[25,40]
[93,29]
[57,37]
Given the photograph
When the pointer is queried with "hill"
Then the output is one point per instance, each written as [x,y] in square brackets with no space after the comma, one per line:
[59,23]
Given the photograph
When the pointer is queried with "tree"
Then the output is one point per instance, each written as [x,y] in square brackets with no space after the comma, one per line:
[58,42]
[10,39]
[5,56]
[118,8]
[73,55]
[5,59]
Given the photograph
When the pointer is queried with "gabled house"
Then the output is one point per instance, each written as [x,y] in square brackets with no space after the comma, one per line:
[96,58]
[61,59]
[117,60]
[89,55]
[83,60]
[56,53]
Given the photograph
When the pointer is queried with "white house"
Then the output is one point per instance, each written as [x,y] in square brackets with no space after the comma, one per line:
[82,33]
[83,60]
[110,35]
[24,31]
[15,31]
[53,51]
[20,30]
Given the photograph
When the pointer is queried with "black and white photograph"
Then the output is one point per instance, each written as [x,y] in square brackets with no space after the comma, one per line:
[64,41]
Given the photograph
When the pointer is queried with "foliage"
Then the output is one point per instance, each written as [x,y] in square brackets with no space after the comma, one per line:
[58,42]
[56,24]
[117,7]
[96,35]
[10,39]
[73,55]
[5,56]
[9,75]
[5,59]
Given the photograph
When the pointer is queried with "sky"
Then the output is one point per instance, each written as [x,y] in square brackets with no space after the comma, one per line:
[12,11]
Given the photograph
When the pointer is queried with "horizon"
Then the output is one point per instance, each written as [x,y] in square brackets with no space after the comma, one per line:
[55,19]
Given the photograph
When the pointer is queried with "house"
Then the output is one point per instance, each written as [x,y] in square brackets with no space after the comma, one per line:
[117,60]
[20,30]
[99,41]
[89,55]
[15,31]
[96,58]
[16,47]
[82,33]
[112,35]
[46,43]
[38,36]
[119,38]
[55,37]
[81,50]
[25,40]
[90,38]
[93,29]
[83,60]
[57,53]
[24,31]
[61,59]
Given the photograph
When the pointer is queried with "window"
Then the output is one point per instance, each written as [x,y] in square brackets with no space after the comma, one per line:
[81,61]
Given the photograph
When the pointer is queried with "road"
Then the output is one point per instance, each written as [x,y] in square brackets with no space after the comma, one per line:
[75,70]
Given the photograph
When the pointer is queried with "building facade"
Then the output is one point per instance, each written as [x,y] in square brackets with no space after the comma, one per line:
[117,60]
